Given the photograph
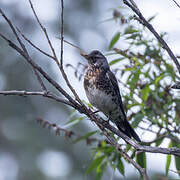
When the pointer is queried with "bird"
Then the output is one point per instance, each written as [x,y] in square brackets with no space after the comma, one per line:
[102,90]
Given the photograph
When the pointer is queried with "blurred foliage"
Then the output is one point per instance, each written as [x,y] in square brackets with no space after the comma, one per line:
[146,74]
[151,104]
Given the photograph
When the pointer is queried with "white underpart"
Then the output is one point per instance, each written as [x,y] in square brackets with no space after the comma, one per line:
[101,100]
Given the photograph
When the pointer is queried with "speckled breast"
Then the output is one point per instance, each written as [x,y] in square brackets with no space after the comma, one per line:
[99,90]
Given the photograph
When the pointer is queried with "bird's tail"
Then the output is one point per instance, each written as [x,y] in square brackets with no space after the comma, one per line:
[126,128]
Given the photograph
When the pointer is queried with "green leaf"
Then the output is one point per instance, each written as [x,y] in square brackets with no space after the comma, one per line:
[96,162]
[133,36]
[141,159]
[177,159]
[120,167]
[137,119]
[116,61]
[151,18]
[75,121]
[135,78]
[130,30]
[159,78]
[101,170]
[159,141]
[168,162]
[85,136]
[145,92]
[114,40]
[177,162]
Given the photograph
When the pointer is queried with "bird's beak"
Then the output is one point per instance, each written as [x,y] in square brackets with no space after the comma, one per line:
[86,56]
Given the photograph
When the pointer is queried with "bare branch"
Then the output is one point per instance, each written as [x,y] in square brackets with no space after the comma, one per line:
[33,45]
[55,57]
[73,45]
[22,46]
[151,28]
[36,93]
[13,30]
[40,81]
[138,147]
[40,70]
[68,133]
[113,142]
[62,30]
[176,4]
[43,29]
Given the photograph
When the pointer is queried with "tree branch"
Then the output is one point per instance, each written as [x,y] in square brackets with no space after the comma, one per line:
[176,4]
[62,30]
[151,28]
[44,30]
[138,147]
[113,142]
[54,53]
[36,93]
[33,45]
[40,70]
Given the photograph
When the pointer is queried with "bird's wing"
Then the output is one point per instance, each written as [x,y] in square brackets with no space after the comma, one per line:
[114,83]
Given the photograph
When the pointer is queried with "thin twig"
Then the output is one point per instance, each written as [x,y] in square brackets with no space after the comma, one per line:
[33,45]
[151,28]
[113,142]
[61,66]
[22,46]
[41,71]
[176,4]
[40,81]
[138,147]
[68,133]
[55,57]
[62,31]
[36,93]
[13,30]
[73,45]
[43,29]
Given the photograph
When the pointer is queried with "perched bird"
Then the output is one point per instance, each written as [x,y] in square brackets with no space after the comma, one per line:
[102,91]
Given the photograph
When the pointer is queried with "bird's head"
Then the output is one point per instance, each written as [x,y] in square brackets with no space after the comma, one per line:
[97,59]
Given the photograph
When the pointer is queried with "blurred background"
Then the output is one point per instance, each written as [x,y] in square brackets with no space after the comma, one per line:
[27,151]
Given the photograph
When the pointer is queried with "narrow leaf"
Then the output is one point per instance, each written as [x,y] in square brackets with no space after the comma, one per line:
[141,159]
[137,119]
[114,40]
[177,162]
[135,78]
[100,173]
[130,30]
[177,159]
[159,78]
[115,61]
[95,163]
[168,162]
[145,92]
[120,167]
[85,136]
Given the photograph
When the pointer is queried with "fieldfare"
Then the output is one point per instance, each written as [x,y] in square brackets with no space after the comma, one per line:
[102,91]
